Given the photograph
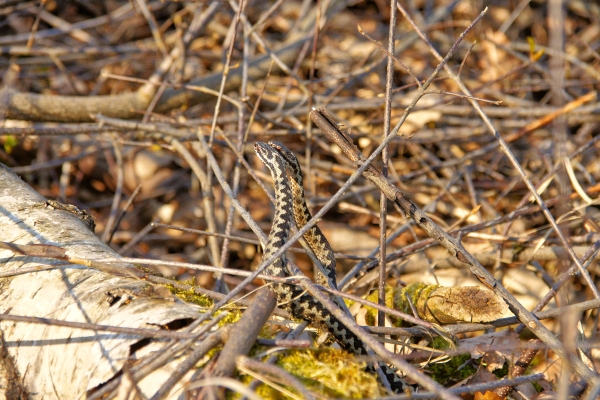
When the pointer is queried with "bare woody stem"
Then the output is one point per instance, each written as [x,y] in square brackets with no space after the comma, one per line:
[330,128]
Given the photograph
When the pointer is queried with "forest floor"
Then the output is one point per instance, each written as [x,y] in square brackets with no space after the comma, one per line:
[104,105]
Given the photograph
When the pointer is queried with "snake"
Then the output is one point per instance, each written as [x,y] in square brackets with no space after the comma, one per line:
[302,305]
[315,239]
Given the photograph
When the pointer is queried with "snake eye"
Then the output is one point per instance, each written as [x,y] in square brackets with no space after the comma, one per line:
[262,150]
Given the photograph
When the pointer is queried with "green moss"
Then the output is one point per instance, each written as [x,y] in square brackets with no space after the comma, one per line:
[190,296]
[10,141]
[371,314]
[232,317]
[328,372]
[501,372]
[447,373]
[395,298]
[333,373]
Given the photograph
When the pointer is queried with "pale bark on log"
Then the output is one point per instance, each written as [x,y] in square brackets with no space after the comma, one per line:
[65,363]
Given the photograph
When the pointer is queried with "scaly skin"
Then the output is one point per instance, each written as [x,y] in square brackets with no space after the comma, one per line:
[302,305]
[317,242]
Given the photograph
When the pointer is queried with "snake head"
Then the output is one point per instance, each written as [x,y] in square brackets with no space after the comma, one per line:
[281,149]
[264,152]
[277,145]
[270,157]
[289,157]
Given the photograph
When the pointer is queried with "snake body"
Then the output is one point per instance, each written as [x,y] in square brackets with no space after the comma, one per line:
[302,305]
[315,239]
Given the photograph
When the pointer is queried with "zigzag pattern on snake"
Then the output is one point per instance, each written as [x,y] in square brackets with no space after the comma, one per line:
[315,239]
[302,305]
